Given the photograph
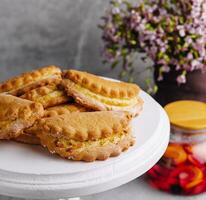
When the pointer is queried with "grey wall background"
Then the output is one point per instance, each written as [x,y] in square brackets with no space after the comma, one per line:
[34,33]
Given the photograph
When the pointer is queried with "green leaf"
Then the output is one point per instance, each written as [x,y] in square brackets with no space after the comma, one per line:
[155,89]
[148,81]
[181,20]
[131,79]
[184,73]
[127,4]
[114,64]
[194,36]
[124,52]
[122,74]
[114,3]
[160,55]
[195,53]
[149,27]
[166,58]
[117,18]
[133,42]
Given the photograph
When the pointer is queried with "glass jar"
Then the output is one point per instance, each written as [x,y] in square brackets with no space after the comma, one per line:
[182,169]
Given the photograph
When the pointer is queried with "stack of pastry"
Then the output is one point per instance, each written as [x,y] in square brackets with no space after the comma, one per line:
[77,115]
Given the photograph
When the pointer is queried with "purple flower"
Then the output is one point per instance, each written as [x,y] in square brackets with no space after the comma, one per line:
[161,62]
[194,64]
[172,36]
[190,56]
[134,19]
[152,52]
[165,68]
[109,33]
[160,77]
[178,67]
[182,32]
[181,79]
[188,40]
[115,10]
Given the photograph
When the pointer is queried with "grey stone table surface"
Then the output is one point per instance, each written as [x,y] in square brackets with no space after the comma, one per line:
[135,190]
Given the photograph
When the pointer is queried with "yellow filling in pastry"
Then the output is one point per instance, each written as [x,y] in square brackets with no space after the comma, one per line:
[6,123]
[106,100]
[52,95]
[71,144]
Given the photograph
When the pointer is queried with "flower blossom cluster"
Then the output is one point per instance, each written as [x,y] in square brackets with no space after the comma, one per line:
[172,33]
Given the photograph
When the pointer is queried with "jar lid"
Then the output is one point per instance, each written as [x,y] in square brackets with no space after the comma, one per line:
[187,114]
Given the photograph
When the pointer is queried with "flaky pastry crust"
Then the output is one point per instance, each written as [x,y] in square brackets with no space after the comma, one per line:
[48,96]
[102,86]
[83,126]
[30,80]
[17,114]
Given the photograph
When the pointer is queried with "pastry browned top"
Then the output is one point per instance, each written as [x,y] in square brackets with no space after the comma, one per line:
[29,78]
[48,95]
[83,126]
[17,114]
[39,92]
[64,108]
[102,86]
[13,107]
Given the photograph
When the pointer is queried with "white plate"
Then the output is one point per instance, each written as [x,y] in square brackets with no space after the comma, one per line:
[31,172]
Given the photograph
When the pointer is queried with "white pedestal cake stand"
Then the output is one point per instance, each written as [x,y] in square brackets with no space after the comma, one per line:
[31,172]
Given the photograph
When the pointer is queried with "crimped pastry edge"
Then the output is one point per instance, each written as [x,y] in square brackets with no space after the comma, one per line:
[29,80]
[65,108]
[21,91]
[94,104]
[111,123]
[46,95]
[102,86]
[90,154]
[30,112]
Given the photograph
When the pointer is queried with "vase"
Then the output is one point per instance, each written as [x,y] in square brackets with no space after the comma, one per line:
[169,90]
